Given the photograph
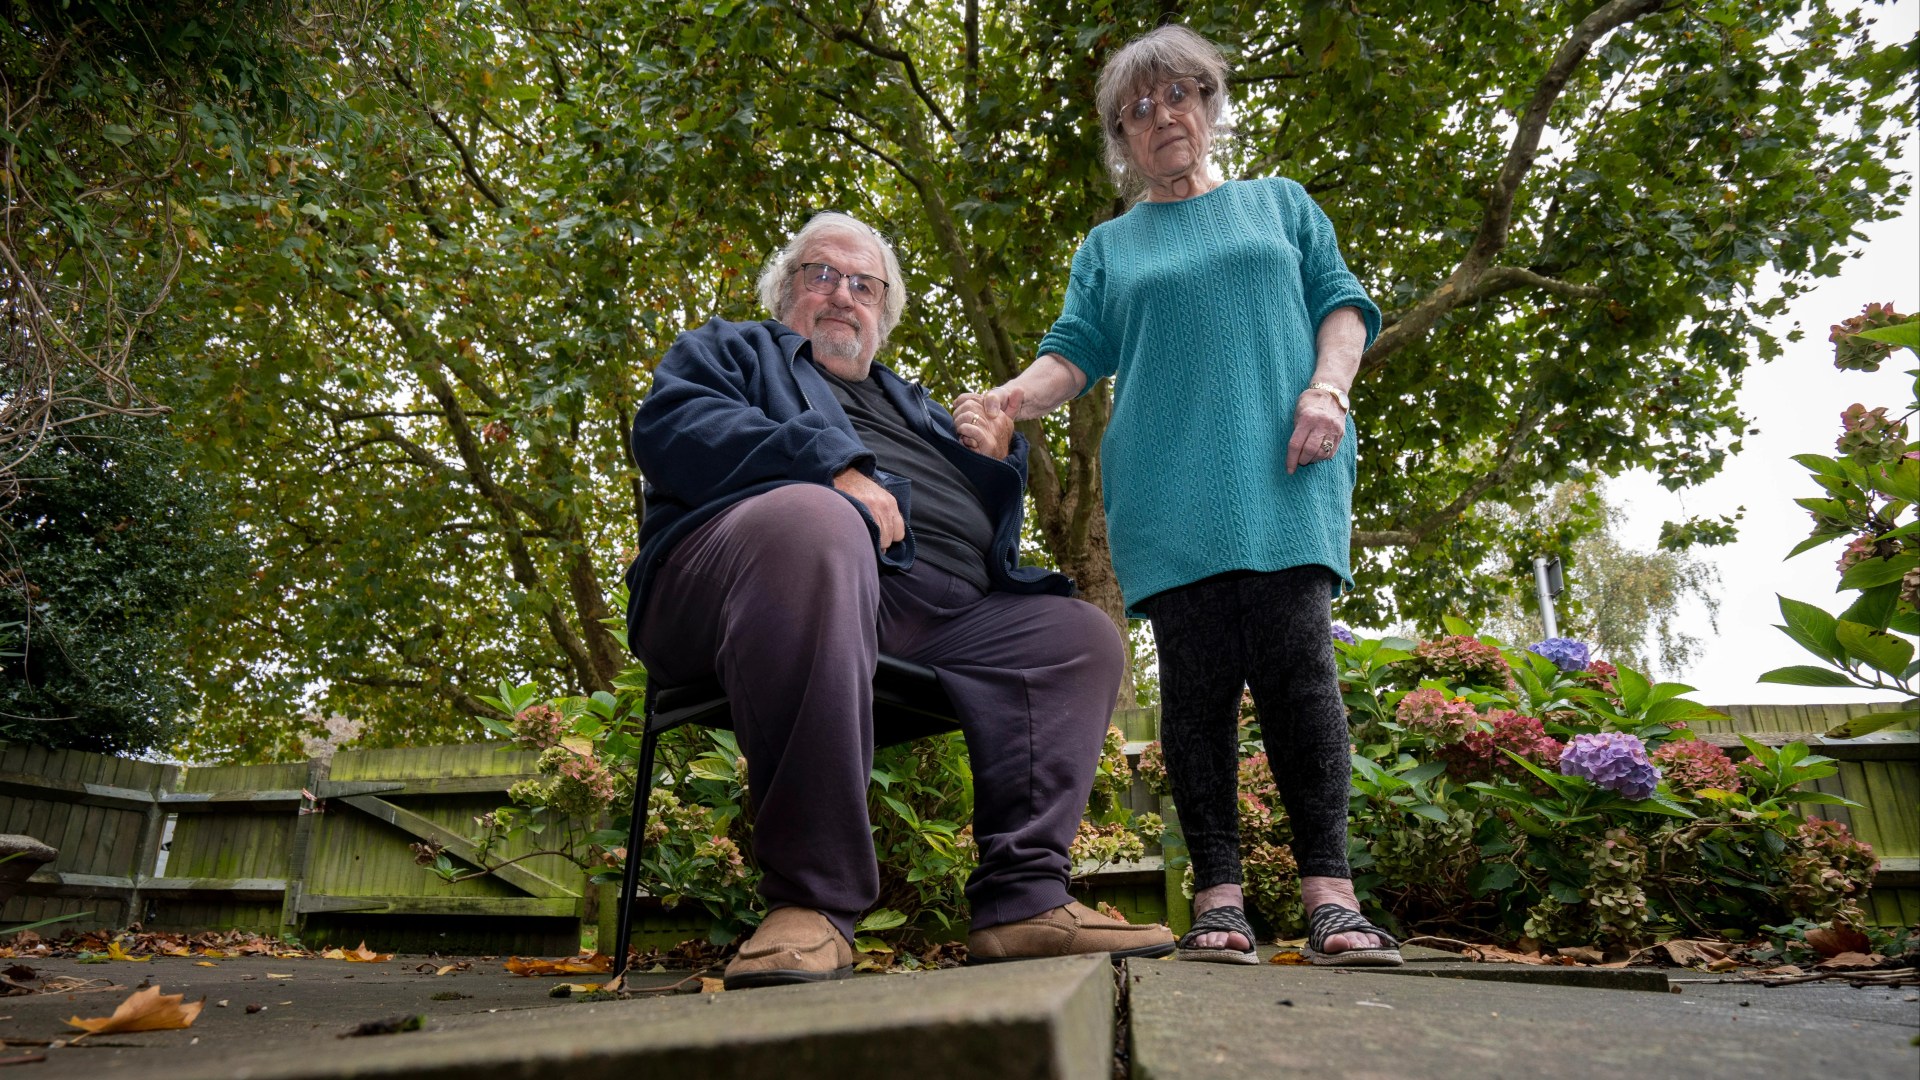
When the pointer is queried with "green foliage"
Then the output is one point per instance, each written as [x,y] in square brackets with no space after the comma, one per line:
[111,552]
[420,333]
[1464,822]
[118,118]
[1866,489]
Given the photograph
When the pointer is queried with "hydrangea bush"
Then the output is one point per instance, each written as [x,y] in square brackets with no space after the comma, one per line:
[1537,793]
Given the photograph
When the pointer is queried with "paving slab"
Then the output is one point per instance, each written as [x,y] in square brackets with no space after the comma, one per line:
[1044,1019]
[1221,1023]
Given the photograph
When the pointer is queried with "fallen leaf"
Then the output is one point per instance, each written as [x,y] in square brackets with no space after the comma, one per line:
[271,975]
[1584,954]
[1850,961]
[448,969]
[1288,956]
[712,986]
[360,955]
[20,973]
[146,1010]
[1683,952]
[213,954]
[1832,941]
[1725,963]
[205,963]
[115,952]
[561,990]
[1784,969]
[580,965]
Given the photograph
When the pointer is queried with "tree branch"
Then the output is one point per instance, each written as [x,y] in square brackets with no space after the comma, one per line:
[1497,219]
[874,48]
[467,166]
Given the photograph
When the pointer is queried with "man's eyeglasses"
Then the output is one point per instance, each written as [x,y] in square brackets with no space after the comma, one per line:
[1179,96]
[824,279]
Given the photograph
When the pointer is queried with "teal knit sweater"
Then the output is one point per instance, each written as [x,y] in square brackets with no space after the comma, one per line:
[1205,313]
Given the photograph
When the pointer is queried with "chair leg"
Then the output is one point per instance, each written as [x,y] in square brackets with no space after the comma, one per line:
[636,836]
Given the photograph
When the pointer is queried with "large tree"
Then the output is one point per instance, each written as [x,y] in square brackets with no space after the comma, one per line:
[423,346]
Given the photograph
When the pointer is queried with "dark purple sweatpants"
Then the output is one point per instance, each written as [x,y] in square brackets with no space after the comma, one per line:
[781,598]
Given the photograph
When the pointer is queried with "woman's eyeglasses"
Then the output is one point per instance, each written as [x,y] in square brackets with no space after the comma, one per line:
[1179,96]
[825,280]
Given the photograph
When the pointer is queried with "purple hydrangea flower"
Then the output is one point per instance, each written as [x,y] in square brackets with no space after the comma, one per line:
[1566,653]
[1612,760]
[1341,633]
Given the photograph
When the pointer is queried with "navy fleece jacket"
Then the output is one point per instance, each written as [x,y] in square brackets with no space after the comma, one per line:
[738,409]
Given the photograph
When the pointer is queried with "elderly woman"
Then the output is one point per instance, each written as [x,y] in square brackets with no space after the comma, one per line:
[1232,330]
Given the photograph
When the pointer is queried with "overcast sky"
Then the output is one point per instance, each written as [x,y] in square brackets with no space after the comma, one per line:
[1795,402]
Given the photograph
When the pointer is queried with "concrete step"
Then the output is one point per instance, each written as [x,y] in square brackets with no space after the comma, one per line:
[1039,1020]
[1214,1022]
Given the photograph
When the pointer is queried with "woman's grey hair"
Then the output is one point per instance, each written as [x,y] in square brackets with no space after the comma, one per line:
[1154,58]
[777,278]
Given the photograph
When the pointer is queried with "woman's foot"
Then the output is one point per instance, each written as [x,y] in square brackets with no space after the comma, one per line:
[1315,891]
[1222,896]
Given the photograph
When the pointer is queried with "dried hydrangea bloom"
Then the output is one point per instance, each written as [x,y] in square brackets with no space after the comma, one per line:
[1479,756]
[539,727]
[1462,659]
[1436,714]
[1612,760]
[1692,764]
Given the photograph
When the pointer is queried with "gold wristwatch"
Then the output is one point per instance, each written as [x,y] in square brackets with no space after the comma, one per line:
[1339,396]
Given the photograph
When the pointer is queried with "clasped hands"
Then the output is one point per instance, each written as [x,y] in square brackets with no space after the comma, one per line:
[984,423]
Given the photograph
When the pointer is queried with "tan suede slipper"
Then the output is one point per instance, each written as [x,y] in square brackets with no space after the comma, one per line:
[793,945]
[1072,930]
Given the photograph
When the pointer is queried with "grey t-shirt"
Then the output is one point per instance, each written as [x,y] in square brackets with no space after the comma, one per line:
[951,530]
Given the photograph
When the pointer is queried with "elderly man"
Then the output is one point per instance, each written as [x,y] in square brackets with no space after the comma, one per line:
[808,509]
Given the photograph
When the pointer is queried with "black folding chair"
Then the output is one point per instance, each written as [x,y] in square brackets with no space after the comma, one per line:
[908,704]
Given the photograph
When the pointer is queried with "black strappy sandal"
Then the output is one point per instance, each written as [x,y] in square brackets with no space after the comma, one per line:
[1330,919]
[1219,920]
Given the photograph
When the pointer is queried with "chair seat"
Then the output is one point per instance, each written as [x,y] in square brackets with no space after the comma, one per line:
[908,704]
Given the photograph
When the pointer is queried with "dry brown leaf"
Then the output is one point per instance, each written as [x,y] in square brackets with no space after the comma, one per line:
[1288,956]
[1725,963]
[1783,969]
[1495,952]
[1683,952]
[1584,954]
[271,975]
[447,969]
[205,963]
[1850,961]
[146,1010]
[1832,941]
[712,986]
[596,964]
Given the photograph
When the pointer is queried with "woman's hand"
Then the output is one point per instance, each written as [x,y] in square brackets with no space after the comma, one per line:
[1318,426]
[984,422]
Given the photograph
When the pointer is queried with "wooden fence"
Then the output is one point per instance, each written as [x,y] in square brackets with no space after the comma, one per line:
[324,849]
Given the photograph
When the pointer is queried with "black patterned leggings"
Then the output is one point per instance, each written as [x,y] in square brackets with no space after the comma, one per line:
[1273,634]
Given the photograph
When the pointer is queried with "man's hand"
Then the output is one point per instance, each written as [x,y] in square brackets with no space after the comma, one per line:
[985,421]
[1318,426]
[878,501]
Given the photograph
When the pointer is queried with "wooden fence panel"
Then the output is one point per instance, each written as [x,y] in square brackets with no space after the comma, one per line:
[100,812]
[1880,771]
[233,837]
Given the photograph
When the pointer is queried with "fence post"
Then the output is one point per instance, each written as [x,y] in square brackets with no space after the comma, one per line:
[146,850]
[297,858]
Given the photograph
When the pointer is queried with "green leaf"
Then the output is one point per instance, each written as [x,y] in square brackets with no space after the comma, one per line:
[1492,877]
[883,919]
[1867,573]
[1887,653]
[1905,334]
[1424,772]
[1564,892]
[1818,798]
[1901,479]
[1807,675]
[1811,626]
[1432,813]
[1457,626]
[1874,608]
[1872,722]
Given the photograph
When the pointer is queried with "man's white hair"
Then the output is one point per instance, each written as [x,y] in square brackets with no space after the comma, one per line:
[777,278]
